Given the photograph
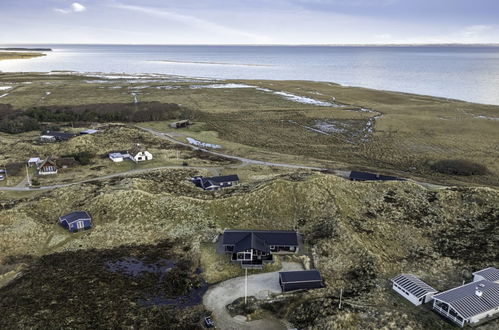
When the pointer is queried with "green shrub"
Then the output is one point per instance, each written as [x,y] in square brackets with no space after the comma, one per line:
[459,167]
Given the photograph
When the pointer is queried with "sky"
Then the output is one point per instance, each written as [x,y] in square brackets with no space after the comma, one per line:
[249,21]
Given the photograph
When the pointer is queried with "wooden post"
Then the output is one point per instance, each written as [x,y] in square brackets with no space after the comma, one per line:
[246,287]
[341,295]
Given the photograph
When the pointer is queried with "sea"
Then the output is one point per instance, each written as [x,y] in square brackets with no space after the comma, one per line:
[469,73]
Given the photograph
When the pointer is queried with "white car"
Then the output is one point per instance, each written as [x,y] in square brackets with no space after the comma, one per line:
[2,177]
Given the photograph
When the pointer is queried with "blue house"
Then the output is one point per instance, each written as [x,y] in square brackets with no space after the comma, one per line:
[76,221]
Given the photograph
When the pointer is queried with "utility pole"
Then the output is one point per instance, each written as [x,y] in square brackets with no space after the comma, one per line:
[246,287]
[341,295]
[27,176]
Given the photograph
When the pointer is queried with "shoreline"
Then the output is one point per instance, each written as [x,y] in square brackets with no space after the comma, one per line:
[151,75]
[14,55]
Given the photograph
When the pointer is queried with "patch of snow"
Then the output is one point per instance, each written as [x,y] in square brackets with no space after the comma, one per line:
[4,88]
[167,87]
[4,95]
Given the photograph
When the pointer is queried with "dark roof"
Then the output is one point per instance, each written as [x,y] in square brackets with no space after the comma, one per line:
[75,216]
[413,285]
[251,241]
[465,300]
[491,274]
[365,176]
[59,135]
[136,150]
[300,276]
[48,162]
[269,237]
[224,178]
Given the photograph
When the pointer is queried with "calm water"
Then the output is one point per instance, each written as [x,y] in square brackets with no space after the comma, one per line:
[467,73]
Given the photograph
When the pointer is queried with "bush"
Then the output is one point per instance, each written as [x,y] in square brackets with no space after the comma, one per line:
[459,167]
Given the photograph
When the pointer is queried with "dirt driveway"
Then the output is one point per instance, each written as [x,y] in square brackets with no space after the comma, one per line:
[259,285]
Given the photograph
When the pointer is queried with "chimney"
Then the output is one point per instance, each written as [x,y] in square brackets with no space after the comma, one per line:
[478,292]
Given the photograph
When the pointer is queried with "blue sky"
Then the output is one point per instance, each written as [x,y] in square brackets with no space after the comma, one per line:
[249,21]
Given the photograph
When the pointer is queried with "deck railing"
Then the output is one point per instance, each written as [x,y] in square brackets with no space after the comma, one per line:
[448,315]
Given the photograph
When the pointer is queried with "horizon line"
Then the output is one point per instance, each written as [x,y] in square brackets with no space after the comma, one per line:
[275,44]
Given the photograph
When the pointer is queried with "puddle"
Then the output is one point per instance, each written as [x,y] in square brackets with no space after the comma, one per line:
[134,267]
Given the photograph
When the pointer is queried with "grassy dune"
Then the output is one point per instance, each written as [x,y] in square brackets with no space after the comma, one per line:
[360,234]
[19,55]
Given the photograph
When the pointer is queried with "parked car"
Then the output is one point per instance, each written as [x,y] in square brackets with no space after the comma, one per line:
[208,322]
[2,177]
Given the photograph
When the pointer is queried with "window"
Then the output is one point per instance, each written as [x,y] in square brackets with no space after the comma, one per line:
[80,225]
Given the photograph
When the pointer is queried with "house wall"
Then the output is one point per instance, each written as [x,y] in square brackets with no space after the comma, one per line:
[301,286]
[413,299]
[86,224]
[479,317]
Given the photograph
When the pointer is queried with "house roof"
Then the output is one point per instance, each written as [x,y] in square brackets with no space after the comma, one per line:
[413,285]
[491,274]
[251,241]
[265,237]
[47,162]
[59,135]
[136,150]
[223,178]
[34,160]
[89,131]
[467,303]
[355,175]
[300,276]
[75,216]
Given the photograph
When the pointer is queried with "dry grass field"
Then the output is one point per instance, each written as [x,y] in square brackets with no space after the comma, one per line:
[18,55]
[359,234]
[400,133]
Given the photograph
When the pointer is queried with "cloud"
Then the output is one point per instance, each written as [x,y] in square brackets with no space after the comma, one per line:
[191,21]
[75,7]
[475,30]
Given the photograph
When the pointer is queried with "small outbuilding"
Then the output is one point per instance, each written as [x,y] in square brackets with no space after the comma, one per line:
[300,280]
[413,289]
[76,221]
[48,166]
[34,161]
[181,123]
[489,274]
[117,156]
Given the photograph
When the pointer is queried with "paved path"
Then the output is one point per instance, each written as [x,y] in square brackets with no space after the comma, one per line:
[259,285]
[131,172]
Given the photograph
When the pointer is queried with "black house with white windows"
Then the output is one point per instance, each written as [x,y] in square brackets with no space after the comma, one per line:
[215,182]
[254,248]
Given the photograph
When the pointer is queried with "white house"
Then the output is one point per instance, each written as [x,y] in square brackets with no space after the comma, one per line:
[413,289]
[139,153]
[470,303]
[489,274]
